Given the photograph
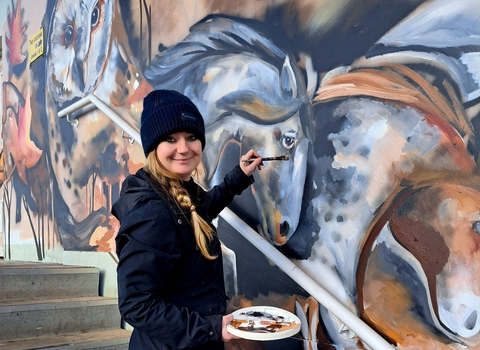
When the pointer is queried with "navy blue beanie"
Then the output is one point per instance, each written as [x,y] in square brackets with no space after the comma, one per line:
[166,112]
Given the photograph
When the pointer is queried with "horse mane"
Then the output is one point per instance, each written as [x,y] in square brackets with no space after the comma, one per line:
[398,83]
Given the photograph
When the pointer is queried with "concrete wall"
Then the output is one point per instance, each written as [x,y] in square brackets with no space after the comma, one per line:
[376,103]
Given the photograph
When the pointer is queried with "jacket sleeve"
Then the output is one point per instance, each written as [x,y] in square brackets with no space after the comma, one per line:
[221,195]
[146,262]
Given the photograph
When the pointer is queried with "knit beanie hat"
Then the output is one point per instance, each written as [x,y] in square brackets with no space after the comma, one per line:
[166,112]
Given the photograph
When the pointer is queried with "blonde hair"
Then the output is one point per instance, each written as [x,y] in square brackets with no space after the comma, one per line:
[171,184]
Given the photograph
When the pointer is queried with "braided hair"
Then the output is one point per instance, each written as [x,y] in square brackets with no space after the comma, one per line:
[171,184]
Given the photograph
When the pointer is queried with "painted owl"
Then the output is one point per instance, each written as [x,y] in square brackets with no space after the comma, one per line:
[78,47]
[86,54]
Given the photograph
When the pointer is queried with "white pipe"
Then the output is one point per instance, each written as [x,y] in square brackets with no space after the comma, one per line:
[367,334]
[134,134]
[74,107]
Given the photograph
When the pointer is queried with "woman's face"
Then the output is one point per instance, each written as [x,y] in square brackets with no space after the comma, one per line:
[180,154]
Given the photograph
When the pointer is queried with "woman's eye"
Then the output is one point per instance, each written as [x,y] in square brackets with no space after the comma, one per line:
[192,138]
[170,139]
[476,226]
[289,140]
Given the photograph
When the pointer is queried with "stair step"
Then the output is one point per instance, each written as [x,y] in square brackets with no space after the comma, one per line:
[29,281]
[35,318]
[116,339]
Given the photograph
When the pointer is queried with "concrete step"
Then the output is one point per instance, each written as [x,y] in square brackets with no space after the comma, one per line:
[39,318]
[55,306]
[116,339]
[28,281]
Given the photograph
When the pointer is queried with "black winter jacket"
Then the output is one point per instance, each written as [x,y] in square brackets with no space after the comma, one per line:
[171,295]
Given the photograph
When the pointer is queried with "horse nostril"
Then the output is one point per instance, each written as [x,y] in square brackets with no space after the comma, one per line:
[284,228]
[471,321]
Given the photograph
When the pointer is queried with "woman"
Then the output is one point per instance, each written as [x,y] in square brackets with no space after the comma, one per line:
[170,273]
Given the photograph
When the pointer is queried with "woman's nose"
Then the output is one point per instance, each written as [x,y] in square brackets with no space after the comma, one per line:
[182,145]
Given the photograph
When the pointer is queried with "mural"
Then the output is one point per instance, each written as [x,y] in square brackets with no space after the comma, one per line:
[376,104]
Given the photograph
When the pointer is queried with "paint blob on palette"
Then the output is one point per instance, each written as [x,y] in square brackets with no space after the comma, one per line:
[264,323]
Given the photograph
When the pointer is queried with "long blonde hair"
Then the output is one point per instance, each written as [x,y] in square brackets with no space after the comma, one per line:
[171,184]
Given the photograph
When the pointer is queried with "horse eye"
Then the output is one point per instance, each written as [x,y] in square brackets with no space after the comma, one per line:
[289,141]
[68,35]
[95,18]
[476,226]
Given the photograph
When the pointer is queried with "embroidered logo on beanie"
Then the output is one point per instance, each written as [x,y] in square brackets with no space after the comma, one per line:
[187,117]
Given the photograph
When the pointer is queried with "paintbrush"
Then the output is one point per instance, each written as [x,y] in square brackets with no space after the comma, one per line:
[267,159]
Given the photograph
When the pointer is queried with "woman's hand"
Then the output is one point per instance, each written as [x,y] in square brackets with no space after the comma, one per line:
[226,337]
[248,167]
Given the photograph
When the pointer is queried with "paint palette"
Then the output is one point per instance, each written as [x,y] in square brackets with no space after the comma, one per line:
[264,323]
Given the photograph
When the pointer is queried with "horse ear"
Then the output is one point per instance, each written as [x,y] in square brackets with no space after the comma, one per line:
[288,80]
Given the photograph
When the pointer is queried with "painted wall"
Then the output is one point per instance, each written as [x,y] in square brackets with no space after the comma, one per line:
[376,103]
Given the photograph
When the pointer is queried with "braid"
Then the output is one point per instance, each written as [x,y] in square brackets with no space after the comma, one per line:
[171,184]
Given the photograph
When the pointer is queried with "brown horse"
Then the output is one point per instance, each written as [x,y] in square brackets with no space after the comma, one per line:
[399,132]
[418,271]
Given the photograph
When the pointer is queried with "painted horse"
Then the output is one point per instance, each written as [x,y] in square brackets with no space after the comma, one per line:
[252,95]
